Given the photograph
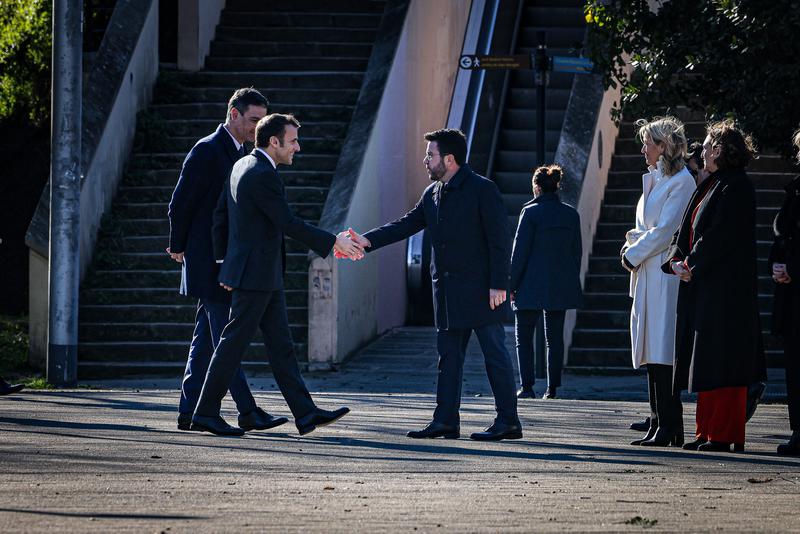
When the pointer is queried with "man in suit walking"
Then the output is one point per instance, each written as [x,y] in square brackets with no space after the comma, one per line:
[250,221]
[466,221]
[205,170]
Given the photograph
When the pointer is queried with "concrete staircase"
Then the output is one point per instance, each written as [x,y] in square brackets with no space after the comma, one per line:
[601,337]
[308,57]
[515,157]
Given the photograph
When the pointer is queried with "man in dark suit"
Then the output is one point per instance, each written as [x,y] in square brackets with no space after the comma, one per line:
[250,221]
[205,170]
[466,221]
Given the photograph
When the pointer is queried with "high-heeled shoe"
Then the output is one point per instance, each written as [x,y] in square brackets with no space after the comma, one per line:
[693,445]
[791,447]
[665,437]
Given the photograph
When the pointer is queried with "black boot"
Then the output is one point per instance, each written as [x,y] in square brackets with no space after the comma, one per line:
[791,447]
[653,419]
[668,408]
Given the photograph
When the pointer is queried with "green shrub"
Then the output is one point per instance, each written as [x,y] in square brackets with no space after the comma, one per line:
[13,344]
[25,50]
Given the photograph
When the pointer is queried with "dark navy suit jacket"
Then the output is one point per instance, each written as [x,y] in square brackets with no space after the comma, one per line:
[205,171]
[546,258]
[467,225]
[250,221]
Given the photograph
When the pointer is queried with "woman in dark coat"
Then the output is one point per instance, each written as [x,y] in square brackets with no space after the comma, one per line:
[545,276]
[784,263]
[718,348]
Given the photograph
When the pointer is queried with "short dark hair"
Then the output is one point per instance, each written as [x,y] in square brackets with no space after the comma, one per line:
[736,148]
[273,125]
[548,178]
[694,154]
[450,141]
[244,98]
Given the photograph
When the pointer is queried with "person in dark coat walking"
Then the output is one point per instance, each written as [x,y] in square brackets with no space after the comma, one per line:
[466,221]
[250,221]
[718,346]
[545,276]
[205,170]
[784,264]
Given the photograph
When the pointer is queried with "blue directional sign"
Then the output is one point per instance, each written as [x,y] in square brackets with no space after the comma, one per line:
[579,65]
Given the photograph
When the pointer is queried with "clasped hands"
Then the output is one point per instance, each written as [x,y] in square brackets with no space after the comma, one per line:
[779,273]
[350,244]
[683,271]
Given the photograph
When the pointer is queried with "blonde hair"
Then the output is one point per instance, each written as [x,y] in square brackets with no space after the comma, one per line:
[669,133]
[796,141]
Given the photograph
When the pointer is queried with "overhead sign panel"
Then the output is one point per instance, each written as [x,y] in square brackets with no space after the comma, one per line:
[579,65]
[520,61]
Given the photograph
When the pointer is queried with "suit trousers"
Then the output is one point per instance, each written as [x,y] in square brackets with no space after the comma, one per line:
[211,318]
[250,311]
[452,346]
[524,327]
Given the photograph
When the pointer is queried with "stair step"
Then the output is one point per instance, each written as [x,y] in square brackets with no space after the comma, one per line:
[227,49]
[527,139]
[521,97]
[302,162]
[308,6]
[297,35]
[289,62]
[160,260]
[268,80]
[146,351]
[163,194]
[198,128]
[98,332]
[523,79]
[217,110]
[299,19]
[311,145]
[98,369]
[526,119]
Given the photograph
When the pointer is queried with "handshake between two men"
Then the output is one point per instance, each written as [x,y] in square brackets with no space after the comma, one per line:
[350,244]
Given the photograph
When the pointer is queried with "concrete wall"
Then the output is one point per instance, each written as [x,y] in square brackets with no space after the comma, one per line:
[110,122]
[197,24]
[369,297]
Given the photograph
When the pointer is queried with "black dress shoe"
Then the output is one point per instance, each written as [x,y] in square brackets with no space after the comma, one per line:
[526,393]
[435,430]
[185,421]
[715,446]
[550,393]
[664,438]
[215,425]
[792,447]
[258,419]
[641,426]
[694,445]
[499,431]
[8,389]
[319,417]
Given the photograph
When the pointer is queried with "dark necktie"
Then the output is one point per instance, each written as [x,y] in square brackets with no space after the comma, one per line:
[242,152]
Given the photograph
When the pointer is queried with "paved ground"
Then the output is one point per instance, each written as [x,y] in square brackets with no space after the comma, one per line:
[93,460]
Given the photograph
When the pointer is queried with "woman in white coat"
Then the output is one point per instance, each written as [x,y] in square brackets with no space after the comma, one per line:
[666,190]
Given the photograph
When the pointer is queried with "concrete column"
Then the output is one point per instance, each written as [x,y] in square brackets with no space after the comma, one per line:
[197,25]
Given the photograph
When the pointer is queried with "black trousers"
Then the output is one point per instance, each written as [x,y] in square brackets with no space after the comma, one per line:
[524,327]
[665,405]
[251,310]
[452,347]
[791,357]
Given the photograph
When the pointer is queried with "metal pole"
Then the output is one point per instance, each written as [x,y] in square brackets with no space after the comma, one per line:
[65,191]
[541,66]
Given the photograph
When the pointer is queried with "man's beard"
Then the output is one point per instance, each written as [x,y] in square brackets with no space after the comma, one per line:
[436,173]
